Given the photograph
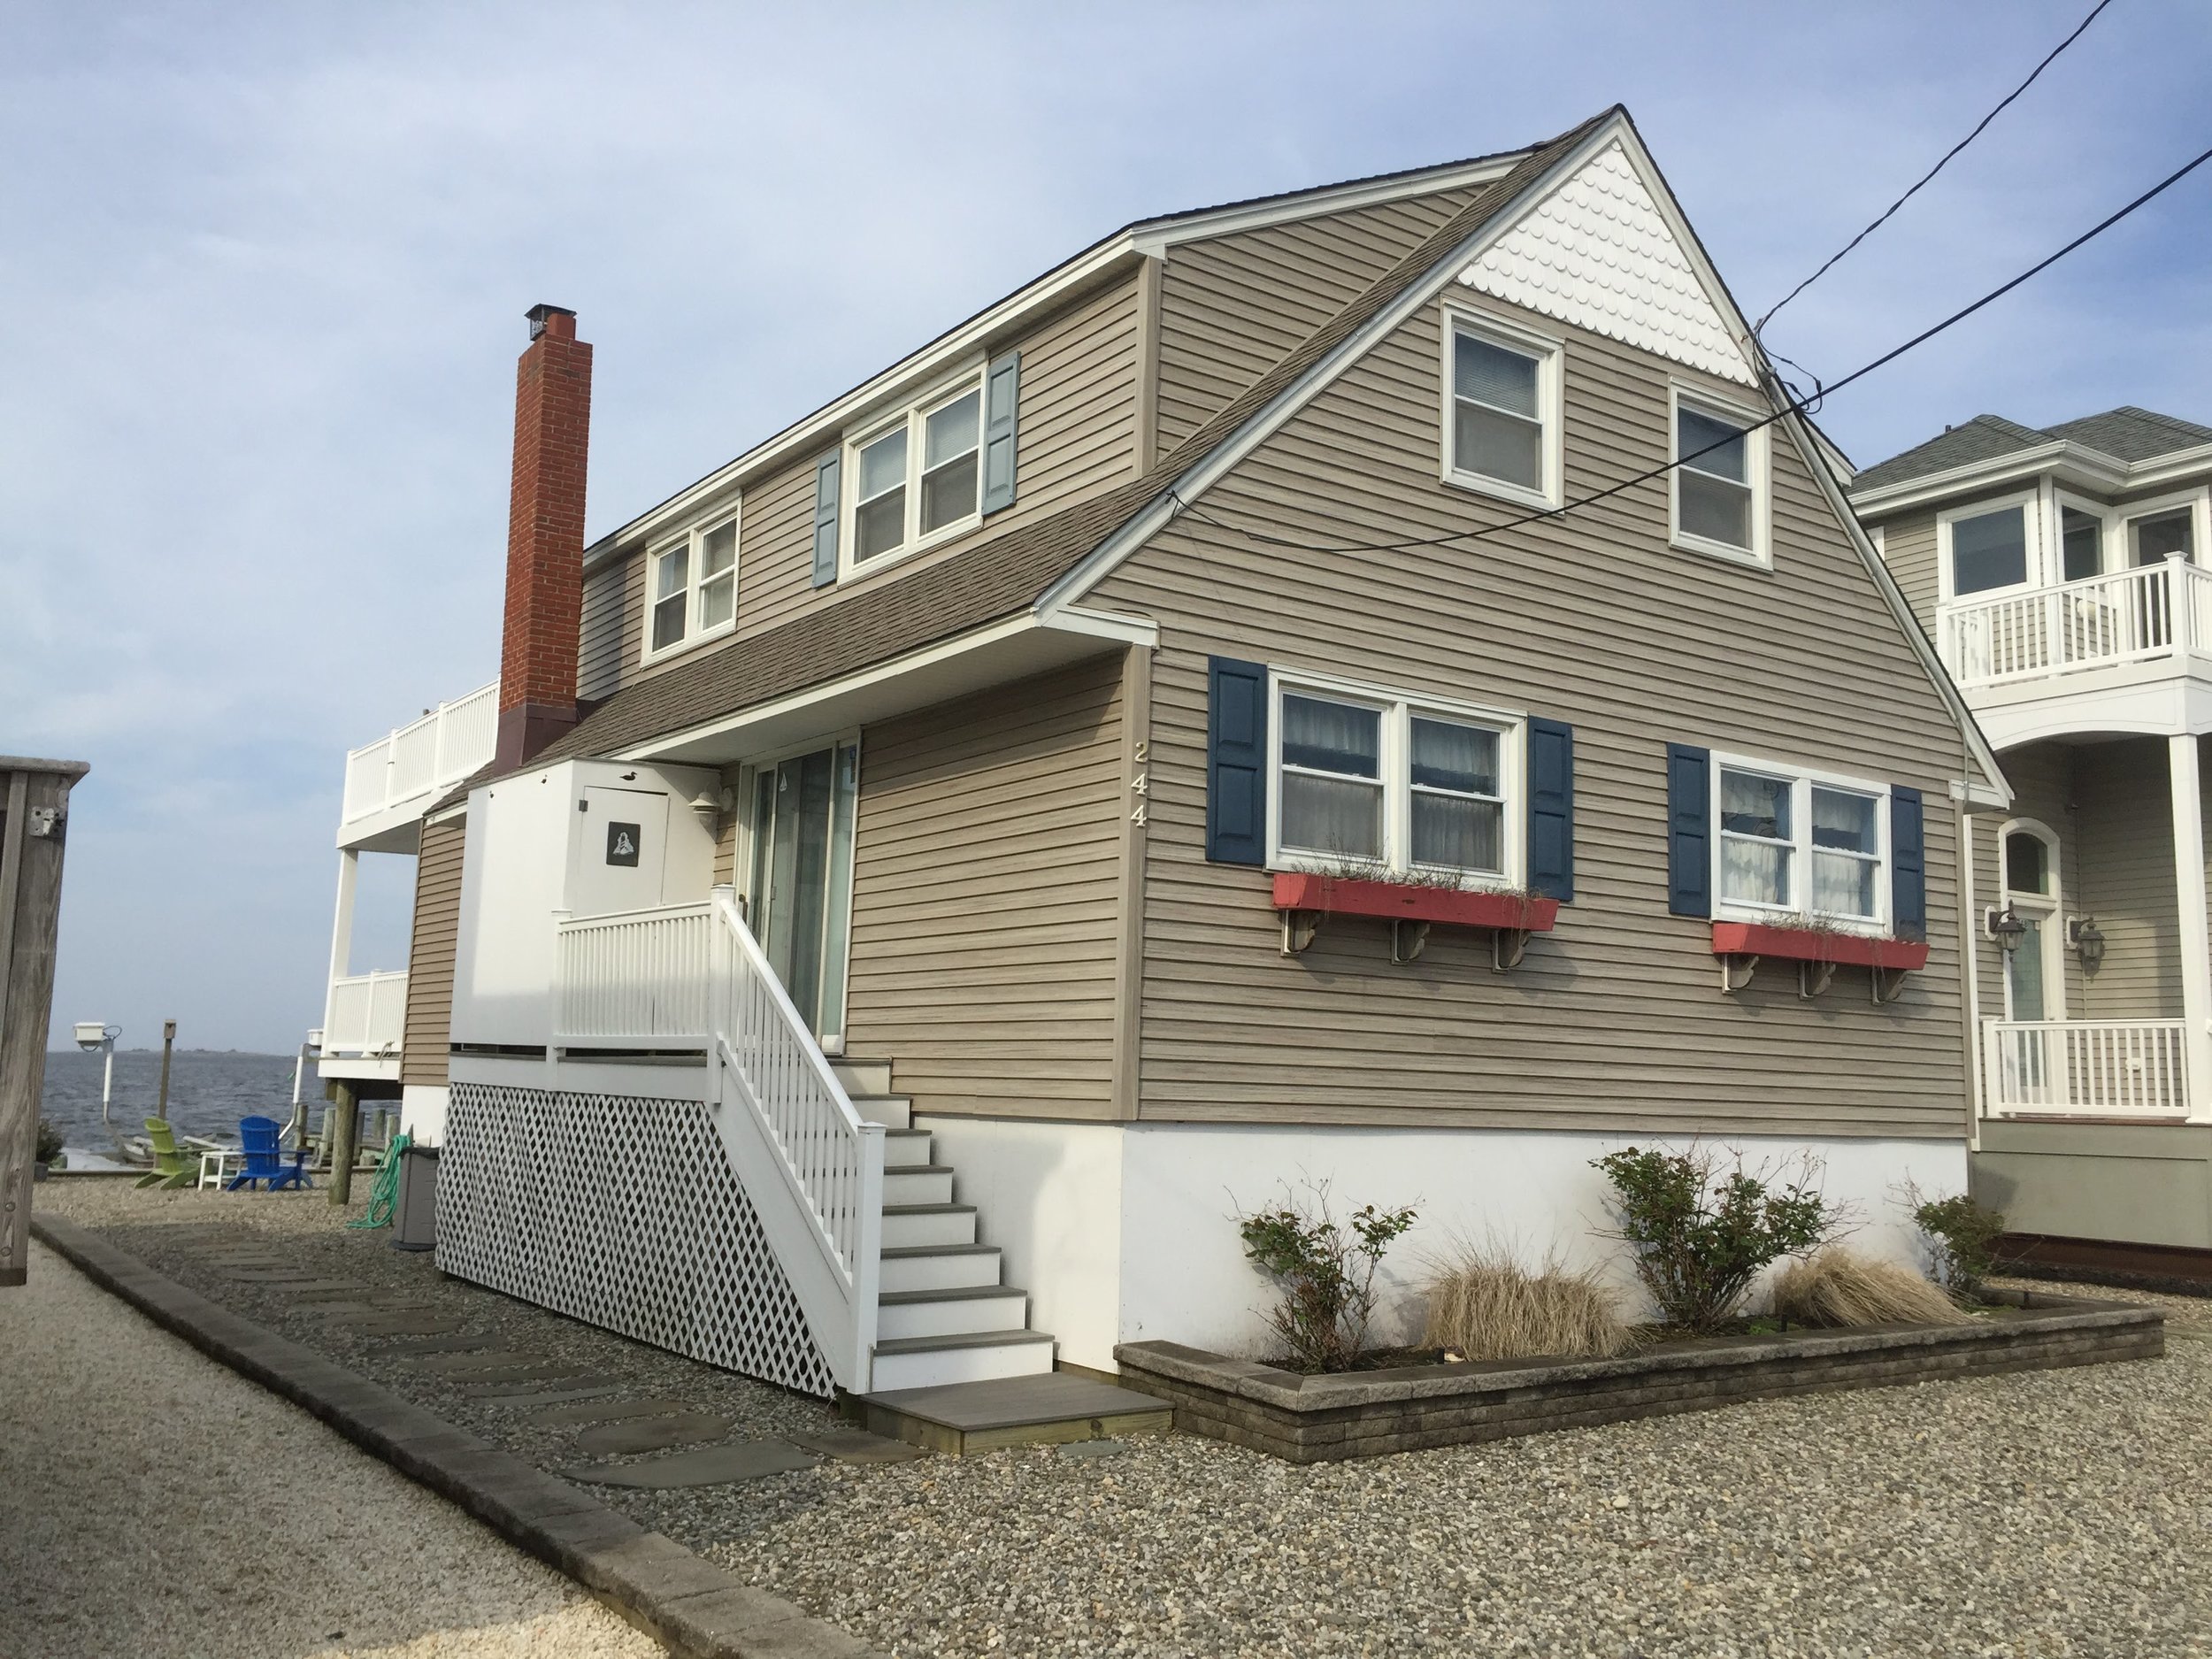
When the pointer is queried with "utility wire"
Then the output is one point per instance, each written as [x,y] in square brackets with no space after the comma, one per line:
[1795,406]
[1948,157]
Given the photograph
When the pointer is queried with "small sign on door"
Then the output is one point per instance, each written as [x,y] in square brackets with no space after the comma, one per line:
[622,844]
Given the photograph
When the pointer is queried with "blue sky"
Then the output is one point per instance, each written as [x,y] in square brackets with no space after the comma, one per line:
[266,265]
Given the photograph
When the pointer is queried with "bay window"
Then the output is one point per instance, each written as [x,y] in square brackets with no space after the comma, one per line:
[1376,785]
[1984,549]
[1797,847]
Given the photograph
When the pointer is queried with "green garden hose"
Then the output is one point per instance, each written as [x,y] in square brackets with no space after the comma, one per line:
[384,1196]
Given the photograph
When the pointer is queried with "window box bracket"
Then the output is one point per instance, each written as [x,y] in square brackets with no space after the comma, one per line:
[1304,899]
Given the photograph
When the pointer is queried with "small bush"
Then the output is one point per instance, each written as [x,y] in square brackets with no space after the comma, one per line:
[1488,1306]
[1323,1270]
[1701,1234]
[1962,1235]
[49,1141]
[1841,1287]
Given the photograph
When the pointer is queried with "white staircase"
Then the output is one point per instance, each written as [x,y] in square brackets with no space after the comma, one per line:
[942,1313]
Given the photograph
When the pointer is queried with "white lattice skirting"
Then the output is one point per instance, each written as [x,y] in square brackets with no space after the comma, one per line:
[622,1213]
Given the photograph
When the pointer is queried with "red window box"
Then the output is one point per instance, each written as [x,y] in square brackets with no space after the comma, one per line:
[1813,944]
[1346,895]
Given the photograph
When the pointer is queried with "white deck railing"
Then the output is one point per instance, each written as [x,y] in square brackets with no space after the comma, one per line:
[2118,1068]
[434,753]
[365,1015]
[2131,616]
[634,980]
[692,976]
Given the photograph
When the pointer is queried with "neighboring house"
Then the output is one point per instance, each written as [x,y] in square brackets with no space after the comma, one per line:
[943,864]
[2060,572]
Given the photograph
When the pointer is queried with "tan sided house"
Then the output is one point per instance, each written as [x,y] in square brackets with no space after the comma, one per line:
[2059,573]
[1146,749]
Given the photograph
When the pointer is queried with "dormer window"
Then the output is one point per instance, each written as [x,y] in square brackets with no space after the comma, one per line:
[918,478]
[691,588]
[1719,479]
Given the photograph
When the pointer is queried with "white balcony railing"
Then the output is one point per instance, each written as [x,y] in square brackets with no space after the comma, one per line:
[634,980]
[2096,1068]
[365,1016]
[407,766]
[2153,611]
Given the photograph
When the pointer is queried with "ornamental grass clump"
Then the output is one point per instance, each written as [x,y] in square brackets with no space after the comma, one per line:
[1838,1288]
[1485,1305]
[1700,1233]
[1324,1271]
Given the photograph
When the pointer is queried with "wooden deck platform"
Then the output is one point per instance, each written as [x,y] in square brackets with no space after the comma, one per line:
[1050,1409]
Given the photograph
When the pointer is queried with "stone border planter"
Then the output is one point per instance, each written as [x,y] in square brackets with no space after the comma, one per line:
[1366,1414]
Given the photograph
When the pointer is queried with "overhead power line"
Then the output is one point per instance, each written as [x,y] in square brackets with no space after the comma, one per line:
[1793,405]
[1948,156]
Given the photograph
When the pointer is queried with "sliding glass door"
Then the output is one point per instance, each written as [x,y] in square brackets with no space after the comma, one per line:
[800,900]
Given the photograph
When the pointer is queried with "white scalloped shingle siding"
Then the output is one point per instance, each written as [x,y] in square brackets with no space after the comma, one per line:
[1597,253]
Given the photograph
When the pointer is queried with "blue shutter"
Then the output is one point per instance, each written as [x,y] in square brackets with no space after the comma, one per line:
[1689,835]
[825,508]
[1551,809]
[1236,762]
[1002,396]
[1908,865]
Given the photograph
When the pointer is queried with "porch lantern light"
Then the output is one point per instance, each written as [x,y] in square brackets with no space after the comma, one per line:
[2088,943]
[708,807]
[2006,928]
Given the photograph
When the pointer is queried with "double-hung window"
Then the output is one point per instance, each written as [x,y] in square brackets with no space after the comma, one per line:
[691,588]
[1369,783]
[1501,411]
[918,478]
[1800,848]
[1720,479]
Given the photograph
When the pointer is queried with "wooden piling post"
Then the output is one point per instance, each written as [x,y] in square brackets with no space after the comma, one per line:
[168,1041]
[344,1140]
[33,817]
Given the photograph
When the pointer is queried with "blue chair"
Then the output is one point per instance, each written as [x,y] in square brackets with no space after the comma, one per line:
[263,1161]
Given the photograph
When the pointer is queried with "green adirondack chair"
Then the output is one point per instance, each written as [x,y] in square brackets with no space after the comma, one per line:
[172,1167]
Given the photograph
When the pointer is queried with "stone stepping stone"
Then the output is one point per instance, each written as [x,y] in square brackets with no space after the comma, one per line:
[858,1445]
[606,1410]
[516,1394]
[709,1466]
[486,1359]
[353,1310]
[652,1434]
[380,1323]
[275,1275]
[460,1344]
[537,1371]
[313,1289]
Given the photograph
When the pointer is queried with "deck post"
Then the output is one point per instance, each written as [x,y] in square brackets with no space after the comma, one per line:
[341,933]
[345,1139]
[2196,936]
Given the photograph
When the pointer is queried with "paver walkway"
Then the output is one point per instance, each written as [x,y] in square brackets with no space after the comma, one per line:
[159,1505]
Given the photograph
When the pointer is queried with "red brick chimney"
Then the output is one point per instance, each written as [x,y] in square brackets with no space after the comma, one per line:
[545,538]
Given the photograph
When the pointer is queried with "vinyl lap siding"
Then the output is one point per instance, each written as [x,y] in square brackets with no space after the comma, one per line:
[1909,548]
[2125,823]
[607,643]
[1615,1022]
[987,861]
[429,1031]
[1077,435]
[1231,306]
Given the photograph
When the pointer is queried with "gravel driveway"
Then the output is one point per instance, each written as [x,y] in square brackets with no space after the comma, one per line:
[156,1504]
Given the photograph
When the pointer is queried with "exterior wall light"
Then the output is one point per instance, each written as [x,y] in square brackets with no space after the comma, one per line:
[2006,928]
[2088,941]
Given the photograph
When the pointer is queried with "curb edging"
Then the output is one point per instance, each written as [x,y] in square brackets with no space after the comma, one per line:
[682,1600]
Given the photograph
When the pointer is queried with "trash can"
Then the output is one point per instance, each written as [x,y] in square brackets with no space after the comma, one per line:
[416,1226]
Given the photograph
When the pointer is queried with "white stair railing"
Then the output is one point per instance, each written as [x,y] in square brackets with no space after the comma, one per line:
[2121,1067]
[810,1163]
[634,978]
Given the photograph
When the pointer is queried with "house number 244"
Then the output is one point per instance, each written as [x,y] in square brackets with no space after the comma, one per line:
[1138,784]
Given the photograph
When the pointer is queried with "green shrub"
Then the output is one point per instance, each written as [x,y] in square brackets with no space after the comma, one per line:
[1324,1271]
[1701,1234]
[1962,1235]
[49,1141]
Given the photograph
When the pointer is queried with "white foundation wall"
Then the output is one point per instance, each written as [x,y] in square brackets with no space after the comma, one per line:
[422,1113]
[1183,1275]
[1050,1196]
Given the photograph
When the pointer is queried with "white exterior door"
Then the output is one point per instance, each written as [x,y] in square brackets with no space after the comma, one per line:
[624,848]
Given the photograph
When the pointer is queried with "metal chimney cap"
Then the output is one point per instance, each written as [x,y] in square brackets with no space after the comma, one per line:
[537,314]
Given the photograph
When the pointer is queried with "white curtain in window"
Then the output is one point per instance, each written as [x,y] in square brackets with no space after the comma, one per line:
[1755,873]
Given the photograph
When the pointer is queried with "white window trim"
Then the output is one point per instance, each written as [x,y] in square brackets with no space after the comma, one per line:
[1799,913]
[973,378]
[2120,550]
[689,540]
[1760,554]
[1550,353]
[745,840]
[2110,552]
[1398,709]
[2050,910]
[2030,502]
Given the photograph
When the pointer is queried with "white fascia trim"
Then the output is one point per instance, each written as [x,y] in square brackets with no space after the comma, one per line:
[1158,237]
[1095,623]
[1980,797]
[459,808]
[2092,468]
[1208,470]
